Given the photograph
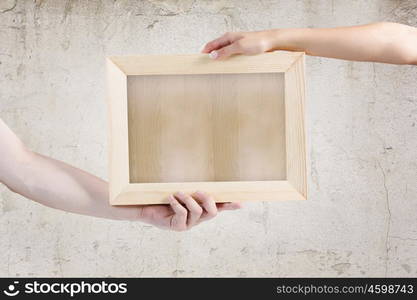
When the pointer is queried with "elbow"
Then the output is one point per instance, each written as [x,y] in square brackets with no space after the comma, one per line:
[14,169]
[22,155]
[400,42]
[411,62]
[408,56]
[412,59]
[404,56]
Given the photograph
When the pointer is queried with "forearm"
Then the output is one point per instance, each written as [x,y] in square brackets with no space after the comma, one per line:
[378,42]
[54,183]
[61,186]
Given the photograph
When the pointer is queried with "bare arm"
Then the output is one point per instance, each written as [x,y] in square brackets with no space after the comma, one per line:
[59,185]
[378,42]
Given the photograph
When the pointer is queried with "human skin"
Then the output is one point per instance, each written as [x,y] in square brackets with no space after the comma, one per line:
[378,42]
[58,185]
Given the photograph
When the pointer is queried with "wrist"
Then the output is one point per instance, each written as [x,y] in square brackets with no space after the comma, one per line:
[129,213]
[290,39]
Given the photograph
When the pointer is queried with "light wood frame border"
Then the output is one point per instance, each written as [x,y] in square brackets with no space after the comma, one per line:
[122,192]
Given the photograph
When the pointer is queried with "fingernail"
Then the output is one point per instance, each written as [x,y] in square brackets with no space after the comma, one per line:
[213,54]
[179,194]
[202,48]
[199,193]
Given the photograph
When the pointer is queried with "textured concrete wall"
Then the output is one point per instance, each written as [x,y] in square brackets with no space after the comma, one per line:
[361,219]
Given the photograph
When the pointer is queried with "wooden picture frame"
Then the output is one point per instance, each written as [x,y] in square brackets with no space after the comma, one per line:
[232,128]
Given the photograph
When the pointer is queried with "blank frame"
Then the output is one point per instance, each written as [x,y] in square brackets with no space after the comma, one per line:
[232,128]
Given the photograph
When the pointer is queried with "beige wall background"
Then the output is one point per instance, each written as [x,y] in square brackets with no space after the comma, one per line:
[361,219]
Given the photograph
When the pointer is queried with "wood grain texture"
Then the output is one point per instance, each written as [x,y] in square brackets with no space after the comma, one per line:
[213,123]
[295,125]
[157,193]
[273,62]
[118,130]
[220,127]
